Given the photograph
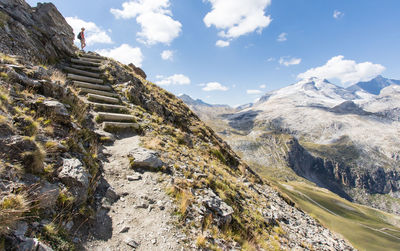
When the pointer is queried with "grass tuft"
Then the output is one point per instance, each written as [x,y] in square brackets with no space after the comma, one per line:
[12,209]
[34,160]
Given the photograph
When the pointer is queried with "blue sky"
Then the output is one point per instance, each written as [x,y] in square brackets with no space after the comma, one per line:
[233,51]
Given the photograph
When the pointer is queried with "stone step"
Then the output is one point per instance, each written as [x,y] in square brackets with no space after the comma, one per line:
[86,68]
[90,56]
[103,93]
[114,117]
[102,99]
[109,108]
[84,62]
[116,126]
[94,60]
[92,86]
[84,79]
[81,72]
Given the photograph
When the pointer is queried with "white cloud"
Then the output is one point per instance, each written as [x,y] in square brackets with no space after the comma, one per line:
[347,71]
[337,14]
[214,86]
[167,55]
[222,43]
[93,33]
[176,79]
[252,92]
[125,54]
[235,18]
[287,61]
[271,59]
[263,86]
[155,19]
[282,37]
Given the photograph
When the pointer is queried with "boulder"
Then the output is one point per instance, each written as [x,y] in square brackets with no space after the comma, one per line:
[55,110]
[145,158]
[217,206]
[76,177]
[138,71]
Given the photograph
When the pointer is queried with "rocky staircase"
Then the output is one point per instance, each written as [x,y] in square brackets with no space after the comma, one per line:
[110,112]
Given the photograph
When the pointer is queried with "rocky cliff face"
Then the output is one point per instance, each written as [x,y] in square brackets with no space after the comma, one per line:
[39,34]
[340,177]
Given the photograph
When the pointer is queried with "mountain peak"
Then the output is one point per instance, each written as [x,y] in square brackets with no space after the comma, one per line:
[374,86]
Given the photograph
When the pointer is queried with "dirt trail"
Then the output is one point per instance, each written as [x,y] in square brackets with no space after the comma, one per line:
[141,217]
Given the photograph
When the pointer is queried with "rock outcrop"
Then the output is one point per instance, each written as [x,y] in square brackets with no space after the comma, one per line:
[38,34]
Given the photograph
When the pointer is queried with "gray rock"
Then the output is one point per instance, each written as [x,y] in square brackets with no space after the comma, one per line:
[48,195]
[76,177]
[134,177]
[132,243]
[111,195]
[54,109]
[21,229]
[145,158]
[141,203]
[124,230]
[69,225]
[160,205]
[214,203]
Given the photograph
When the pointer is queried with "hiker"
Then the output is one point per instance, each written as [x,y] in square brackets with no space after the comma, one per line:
[81,36]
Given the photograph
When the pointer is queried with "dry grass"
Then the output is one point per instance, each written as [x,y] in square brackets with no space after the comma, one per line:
[58,77]
[51,146]
[7,59]
[49,130]
[34,160]
[201,241]
[12,209]
[186,200]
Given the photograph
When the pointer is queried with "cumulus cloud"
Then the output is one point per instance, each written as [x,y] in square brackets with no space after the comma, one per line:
[155,19]
[93,33]
[263,86]
[167,55]
[252,92]
[125,54]
[176,79]
[222,43]
[235,18]
[347,71]
[282,37]
[288,61]
[337,14]
[214,86]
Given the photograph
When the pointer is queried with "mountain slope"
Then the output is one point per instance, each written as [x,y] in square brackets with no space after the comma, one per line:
[72,181]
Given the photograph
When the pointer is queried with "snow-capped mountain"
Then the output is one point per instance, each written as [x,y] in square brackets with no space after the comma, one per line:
[373,86]
[353,133]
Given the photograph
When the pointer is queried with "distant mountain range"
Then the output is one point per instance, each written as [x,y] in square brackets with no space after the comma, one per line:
[343,139]
[374,86]
[198,102]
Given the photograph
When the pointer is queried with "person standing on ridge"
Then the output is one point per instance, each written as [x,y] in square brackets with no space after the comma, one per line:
[81,36]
